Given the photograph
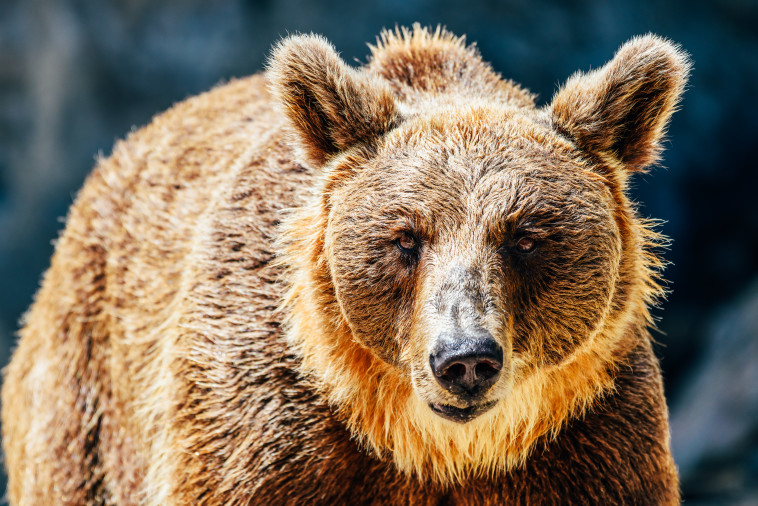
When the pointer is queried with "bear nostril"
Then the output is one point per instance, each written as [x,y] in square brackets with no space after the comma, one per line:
[454,373]
[485,370]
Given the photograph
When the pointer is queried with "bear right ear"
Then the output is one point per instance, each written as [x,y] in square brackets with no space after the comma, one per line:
[619,112]
[330,105]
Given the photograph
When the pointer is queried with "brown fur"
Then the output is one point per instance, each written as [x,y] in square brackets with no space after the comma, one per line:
[186,347]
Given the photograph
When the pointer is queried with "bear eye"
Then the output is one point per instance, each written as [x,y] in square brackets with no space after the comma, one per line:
[525,244]
[407,243]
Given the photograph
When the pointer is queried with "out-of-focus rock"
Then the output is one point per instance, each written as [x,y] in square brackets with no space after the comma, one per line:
[714,420]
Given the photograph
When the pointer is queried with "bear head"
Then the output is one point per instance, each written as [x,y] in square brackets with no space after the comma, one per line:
[468,268]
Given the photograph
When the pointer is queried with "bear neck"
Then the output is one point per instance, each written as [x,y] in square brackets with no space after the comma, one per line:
[376,401]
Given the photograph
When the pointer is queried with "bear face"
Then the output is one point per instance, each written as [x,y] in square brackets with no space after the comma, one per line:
[472,227]
[468,271]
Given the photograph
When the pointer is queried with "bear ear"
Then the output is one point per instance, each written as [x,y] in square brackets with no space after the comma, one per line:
[330,105]
[619,112]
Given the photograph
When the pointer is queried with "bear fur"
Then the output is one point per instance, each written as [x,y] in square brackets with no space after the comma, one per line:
[242,305]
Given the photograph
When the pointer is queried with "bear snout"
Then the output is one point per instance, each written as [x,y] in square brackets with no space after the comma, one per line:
[466,362]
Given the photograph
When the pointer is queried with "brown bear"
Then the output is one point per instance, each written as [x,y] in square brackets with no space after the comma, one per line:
[401,283]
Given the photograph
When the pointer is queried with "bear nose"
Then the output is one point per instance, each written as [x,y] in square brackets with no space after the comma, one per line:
[467,364]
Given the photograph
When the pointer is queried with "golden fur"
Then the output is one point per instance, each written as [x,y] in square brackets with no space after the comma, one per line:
[188,348]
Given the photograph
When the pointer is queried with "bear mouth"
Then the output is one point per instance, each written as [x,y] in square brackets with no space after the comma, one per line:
[461,415]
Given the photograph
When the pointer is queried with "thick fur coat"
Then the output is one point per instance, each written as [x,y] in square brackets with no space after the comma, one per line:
[242,305]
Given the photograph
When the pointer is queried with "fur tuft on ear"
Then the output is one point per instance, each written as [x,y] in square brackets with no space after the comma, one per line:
[330,105]
[619,112]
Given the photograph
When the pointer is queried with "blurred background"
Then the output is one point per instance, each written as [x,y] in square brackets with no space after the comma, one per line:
[75,75]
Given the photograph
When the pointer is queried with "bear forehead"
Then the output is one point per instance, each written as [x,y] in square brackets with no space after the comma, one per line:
[472,144]
[495,161]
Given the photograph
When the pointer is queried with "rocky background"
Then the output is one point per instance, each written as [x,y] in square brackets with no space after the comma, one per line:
[77,74]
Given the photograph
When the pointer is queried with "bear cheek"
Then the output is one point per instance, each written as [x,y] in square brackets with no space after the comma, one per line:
[562,305]
[374,291]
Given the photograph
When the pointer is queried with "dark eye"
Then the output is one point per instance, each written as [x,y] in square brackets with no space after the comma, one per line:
[407,243]
[525,245]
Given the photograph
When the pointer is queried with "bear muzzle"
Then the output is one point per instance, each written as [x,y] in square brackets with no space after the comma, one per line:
[466,363]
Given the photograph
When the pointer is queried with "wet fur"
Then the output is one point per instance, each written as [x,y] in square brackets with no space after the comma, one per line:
[187,347]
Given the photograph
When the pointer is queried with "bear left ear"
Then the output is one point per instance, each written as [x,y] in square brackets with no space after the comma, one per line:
[331,106]
[619,112]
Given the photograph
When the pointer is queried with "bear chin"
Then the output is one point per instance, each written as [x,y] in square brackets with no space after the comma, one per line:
[461,415]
